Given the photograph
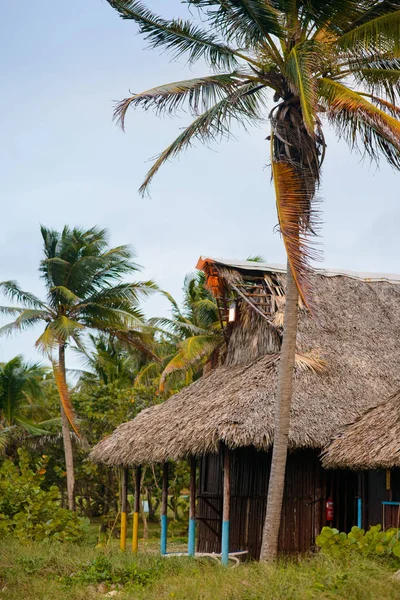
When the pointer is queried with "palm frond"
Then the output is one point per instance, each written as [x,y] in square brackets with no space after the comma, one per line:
[200,93]
[65,397]
[310,361]
[47,341]
[381,33]
[247,22]
[11,310]
[147,373]
[175,327]
[293,209]
[104,318]
[334,17]
[379,79]
[64,328]
[131,338]
[366,127]
[12,290]
[300,67]
[26,319]
[64,295]
[32,428]
[192,350]
[244,106]
[178,36]
[131,293]
[389,107]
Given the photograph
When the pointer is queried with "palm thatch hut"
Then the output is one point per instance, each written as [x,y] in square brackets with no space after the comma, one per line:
[346,359]
[371,446]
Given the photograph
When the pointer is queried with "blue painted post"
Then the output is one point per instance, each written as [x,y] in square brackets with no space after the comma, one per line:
[192,509]
[192,537]
[163,539]
[359,512]
[164,509]
[226,507]
[225,543]
[359,501]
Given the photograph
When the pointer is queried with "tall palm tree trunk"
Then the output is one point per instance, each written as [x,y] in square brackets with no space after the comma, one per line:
[269,547]
[69,458]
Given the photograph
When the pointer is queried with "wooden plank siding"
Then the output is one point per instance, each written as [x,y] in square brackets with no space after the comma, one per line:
[307,486]
[375,492]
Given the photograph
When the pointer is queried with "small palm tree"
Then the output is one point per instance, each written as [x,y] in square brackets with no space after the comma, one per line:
[111,361]
[21,399]
[188,339]
[85,291]
[311,59]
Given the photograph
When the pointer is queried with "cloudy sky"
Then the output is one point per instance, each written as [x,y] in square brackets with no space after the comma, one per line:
[63,161]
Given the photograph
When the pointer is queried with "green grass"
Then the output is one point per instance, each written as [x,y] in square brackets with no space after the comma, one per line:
[51,571]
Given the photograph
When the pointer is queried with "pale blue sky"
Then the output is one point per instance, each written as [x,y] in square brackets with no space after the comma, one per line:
[62,160]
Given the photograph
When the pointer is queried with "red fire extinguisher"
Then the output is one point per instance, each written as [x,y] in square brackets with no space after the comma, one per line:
[329,509]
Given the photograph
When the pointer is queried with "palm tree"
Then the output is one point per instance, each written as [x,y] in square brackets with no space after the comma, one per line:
[187,340]
[313,58]
[112,361]
[21,399]
[85,291]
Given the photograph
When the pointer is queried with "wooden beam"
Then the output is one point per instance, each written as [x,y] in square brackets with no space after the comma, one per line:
[192,508]
[226,506]
[253,306]
[136,510]
[124,504]
[164,510]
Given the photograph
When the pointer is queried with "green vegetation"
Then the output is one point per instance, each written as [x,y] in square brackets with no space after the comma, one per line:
[27,511]
[22,401]
[373,542]
[46,571]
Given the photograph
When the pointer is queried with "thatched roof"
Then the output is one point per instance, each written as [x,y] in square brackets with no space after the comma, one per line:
[357,336]
[371,442]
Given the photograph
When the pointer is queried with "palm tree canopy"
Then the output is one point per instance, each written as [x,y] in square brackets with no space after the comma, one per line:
[21,392]
[83,280]
[337,59]
[83,277]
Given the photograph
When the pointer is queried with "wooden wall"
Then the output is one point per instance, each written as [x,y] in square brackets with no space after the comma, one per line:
[306,489]
[375,492]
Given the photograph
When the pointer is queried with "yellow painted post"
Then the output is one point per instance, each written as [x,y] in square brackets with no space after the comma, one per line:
[124,504]
[135,533]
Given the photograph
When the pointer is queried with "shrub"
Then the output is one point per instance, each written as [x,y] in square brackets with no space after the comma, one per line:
[30,512]
[373,542]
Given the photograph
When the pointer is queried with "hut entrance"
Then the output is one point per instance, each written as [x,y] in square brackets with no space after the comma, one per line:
[307,488]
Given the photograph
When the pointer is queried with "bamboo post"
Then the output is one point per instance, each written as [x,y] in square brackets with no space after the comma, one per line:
[225,507]
[164,510]
[124,504]
[136,510]
[192,508]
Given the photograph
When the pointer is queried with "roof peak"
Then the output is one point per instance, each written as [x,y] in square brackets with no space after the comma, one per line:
[265,267]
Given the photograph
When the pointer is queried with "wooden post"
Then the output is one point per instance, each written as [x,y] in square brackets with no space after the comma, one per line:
[192,508]
[124,504]
[136,510]
[226,507]
[359,502]
[164,510]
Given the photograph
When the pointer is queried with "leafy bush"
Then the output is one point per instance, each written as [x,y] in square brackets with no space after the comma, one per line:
[373,542]
[30,512]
